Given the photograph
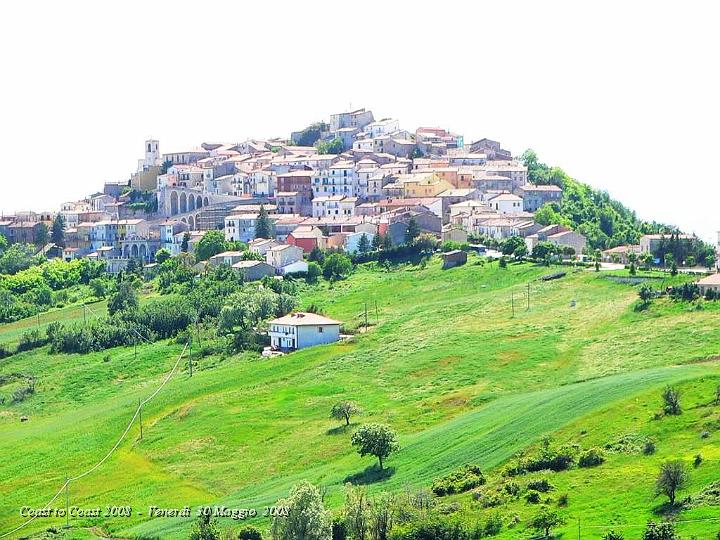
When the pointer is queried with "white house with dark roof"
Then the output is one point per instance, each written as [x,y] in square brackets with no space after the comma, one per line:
[301,330]
[506,203]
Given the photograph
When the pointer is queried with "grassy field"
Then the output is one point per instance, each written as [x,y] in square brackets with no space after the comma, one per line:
[452,360]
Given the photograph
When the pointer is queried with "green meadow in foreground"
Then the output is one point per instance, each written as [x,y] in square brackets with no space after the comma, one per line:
[452,360]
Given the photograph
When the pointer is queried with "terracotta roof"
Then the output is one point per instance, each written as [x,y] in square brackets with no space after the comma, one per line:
[304,319]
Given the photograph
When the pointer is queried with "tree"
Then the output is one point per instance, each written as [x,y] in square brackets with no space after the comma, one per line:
[212,243]
[317,255]
[16,258]
[313,272]
[98,286]
[205,528]
[660,531]
[646,259]
[412,231]
[162,255]
[263,225]
[503,262]
[310,135]
[596,257]
[307,518]
[125,299]
[337,266]
[612,535]
[357,512]
[376,242]
[646,294]
[343,410]
[717,395]
[376,440]
[58,231]
[671,401]
[330,147]
[363,244]
[42,235]
[185,245]
[425,243]
[3,243]
[673,477]
[511,244]
[545,520]
[544,249]
[387,242]
[669,259]
[674,269]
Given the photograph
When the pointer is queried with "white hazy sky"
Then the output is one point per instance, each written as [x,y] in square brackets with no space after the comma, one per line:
[622,95]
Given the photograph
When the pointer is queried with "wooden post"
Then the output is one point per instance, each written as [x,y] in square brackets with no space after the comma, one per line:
[377,316]
[190,356]
[512,303]
[141,427]
[84,315]
[528,305]
[366,317]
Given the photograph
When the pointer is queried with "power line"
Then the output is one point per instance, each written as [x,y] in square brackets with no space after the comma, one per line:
[66,486]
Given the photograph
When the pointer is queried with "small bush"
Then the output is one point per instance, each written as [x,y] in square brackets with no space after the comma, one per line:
[512,488]
[704,434]
[697,460]
[563,500]
[4,351]
[532,497]
[249,533]
[671,401]
[493,525]
[612,535]
[464,479]
[542,485]
[31,340]
[649,448]
[449,508]
[488,500]
[21,394]
[591,458]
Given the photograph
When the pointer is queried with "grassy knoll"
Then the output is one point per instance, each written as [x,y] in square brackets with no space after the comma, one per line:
[445,362]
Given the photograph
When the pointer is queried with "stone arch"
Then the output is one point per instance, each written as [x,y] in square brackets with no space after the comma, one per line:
[199,203]
[173,203]
[183,203]
[126,251]
[191,202]
[206,201]
[191,222]
[134,251]
[143,252]
[184,221]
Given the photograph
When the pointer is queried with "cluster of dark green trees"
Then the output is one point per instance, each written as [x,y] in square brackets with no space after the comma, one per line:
[604,221]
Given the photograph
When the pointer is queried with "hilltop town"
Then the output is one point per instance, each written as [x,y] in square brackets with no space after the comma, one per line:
[325,186]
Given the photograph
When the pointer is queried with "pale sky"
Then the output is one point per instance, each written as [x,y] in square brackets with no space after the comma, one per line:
[622,95]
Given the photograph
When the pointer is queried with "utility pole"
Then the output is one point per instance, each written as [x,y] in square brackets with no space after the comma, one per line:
[528,307]
[140,407]
[512,303]
[190,357]
[377,316]
[579,529]
[67,502]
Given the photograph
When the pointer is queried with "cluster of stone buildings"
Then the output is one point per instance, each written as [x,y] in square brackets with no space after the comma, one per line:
[383,177]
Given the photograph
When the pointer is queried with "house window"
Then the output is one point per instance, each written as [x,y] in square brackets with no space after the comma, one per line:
[320,329]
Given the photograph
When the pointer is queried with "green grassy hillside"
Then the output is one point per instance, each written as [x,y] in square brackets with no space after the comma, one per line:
[445,362]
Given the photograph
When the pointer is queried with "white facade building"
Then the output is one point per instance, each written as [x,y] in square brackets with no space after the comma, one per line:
[301,330]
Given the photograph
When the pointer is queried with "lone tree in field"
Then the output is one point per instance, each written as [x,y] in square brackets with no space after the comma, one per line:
[545,520]
[307,517]
[363,244]
[671,400]
[343,410]
[376,440]
[612,535]
[672,478]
